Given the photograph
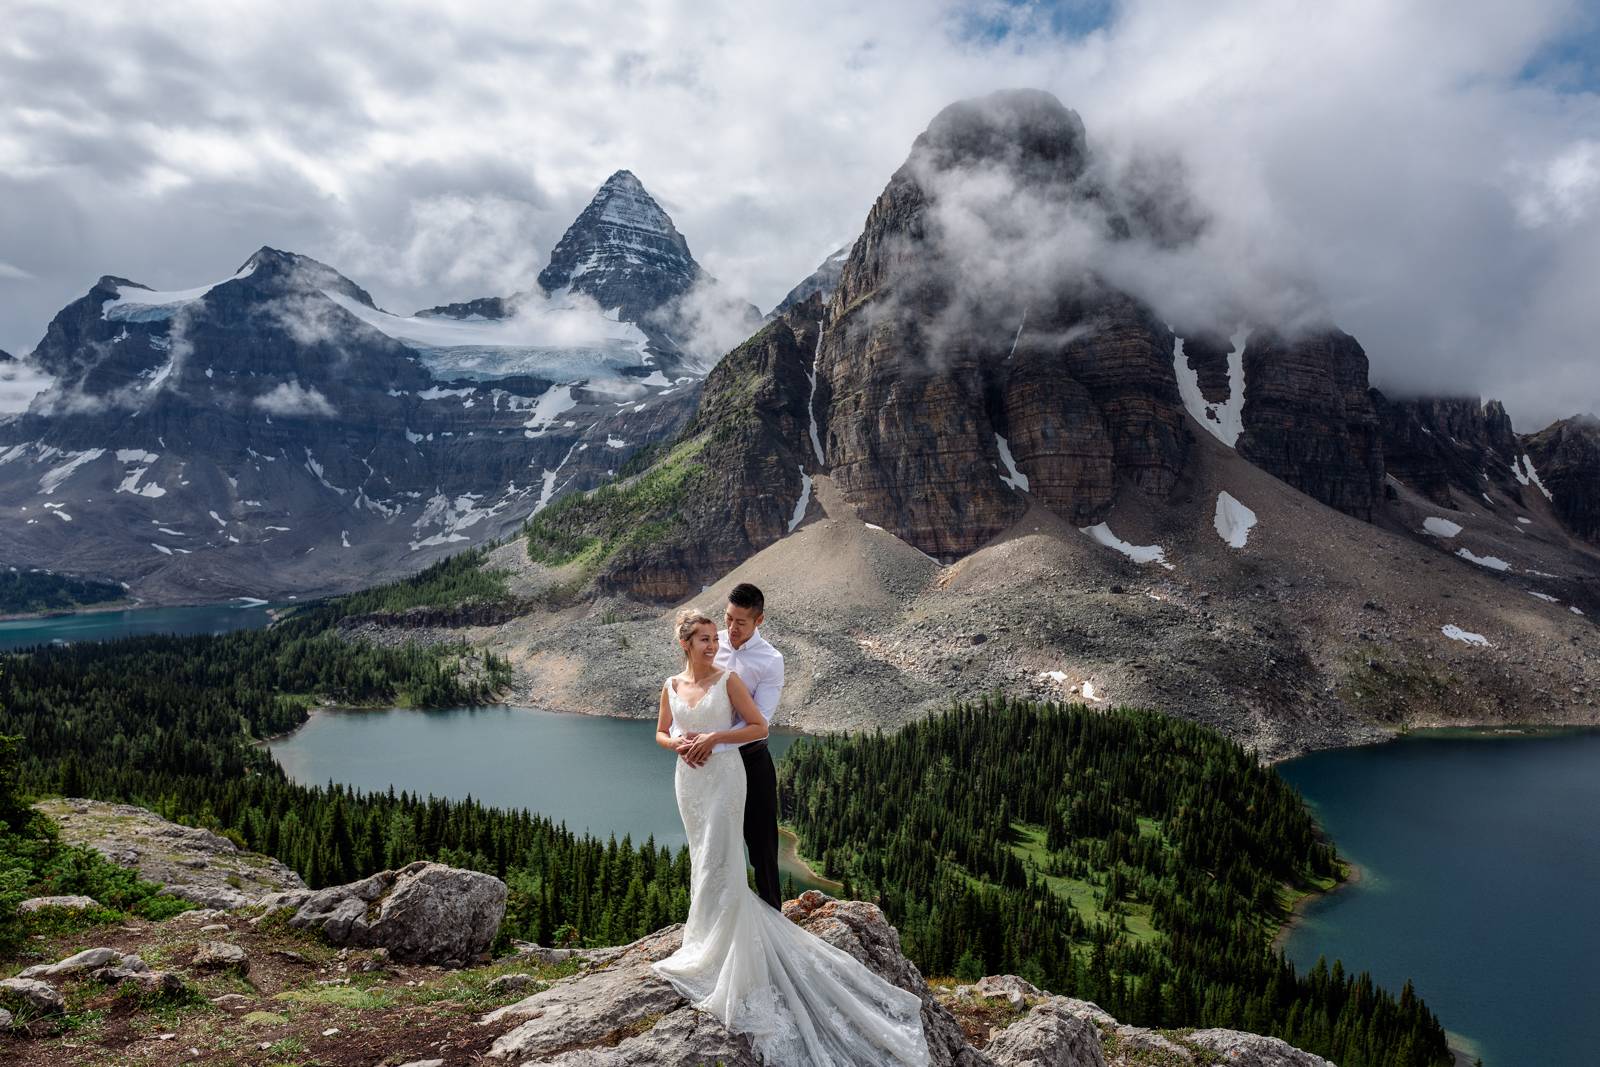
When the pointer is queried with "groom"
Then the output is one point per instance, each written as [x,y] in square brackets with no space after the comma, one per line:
[742,650]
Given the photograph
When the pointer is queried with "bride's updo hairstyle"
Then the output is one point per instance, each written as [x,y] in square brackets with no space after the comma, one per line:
[689,620]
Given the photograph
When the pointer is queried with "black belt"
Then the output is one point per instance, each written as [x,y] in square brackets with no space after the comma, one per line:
[754,746]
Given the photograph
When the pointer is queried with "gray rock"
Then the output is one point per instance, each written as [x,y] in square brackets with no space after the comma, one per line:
[220,897]
[87,960]
[5,1019]
[423,913]
[424,1063]
[287,899]
[1136,1045]
[232,1001]
[1254,1050]
[1048,1036]
[509,983]
[153,982]
[219,956]
[1007,987]
[594,1006]
[75,902]
[40,996]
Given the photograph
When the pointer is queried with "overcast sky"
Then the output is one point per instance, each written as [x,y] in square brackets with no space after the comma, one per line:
[1431,168]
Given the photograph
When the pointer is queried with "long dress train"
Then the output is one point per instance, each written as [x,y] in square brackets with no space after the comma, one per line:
[802,1002]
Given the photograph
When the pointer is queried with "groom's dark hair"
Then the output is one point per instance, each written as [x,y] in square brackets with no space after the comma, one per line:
[745,595]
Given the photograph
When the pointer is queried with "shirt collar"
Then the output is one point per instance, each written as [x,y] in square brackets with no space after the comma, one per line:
[755,643]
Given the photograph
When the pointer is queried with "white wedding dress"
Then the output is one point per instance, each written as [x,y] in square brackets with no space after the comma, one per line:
[801,1001]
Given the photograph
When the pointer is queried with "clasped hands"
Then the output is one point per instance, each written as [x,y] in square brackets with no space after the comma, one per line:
[695,748]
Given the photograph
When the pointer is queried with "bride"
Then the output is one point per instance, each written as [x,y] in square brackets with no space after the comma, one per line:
[801,1001]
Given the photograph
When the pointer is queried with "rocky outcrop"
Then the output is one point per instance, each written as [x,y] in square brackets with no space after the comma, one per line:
[1449,449]
[644,1020]
[1309,418]
[1565,457]
[186,861]
[619,1014]
[424,912]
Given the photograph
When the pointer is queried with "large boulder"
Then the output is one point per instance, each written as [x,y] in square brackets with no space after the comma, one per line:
[40,996]
[423,913]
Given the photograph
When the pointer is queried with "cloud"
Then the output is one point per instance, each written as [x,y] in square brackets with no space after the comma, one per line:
[12,273]
[20,382]
[1424,168]
[296,401]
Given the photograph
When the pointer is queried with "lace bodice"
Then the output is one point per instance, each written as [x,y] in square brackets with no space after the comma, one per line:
[713,711]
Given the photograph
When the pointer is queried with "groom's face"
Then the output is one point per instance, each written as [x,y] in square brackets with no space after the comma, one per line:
[741,623]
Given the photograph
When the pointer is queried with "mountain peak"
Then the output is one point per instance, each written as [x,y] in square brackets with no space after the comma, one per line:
[623,251]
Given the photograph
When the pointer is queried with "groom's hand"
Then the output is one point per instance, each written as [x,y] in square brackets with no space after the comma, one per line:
[685,743]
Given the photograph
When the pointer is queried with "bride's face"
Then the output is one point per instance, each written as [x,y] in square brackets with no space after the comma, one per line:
[701,648]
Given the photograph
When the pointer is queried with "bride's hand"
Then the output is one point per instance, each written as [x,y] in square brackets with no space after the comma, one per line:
[699,749]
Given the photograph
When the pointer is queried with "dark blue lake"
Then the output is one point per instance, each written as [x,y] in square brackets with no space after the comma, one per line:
[598,775]
[1480,860]
[132,622]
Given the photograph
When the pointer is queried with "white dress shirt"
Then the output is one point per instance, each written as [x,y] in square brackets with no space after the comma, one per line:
[759,666]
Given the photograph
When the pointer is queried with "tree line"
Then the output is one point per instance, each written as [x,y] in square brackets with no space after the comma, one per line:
[1124,857]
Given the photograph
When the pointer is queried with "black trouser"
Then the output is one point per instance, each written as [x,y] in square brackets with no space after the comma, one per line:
[761,819]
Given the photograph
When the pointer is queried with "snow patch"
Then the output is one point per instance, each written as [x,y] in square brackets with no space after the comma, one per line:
[136,304]
[163,549]
[1456,633]
[1440,527]
[1525,474]
[804,501]
[1223,420]
[811,400]
[1525,522]
[344,538]
[56,475]
[1493,563]
[1233,520]
[1138,553]
[551,405]
[1544,596]
[1575,610]
[1013,477]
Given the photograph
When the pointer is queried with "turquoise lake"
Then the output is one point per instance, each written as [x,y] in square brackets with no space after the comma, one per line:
[1480,857]
[132,622]
[598,775]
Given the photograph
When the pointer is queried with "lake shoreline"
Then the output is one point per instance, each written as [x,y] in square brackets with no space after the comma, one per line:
[1353,876]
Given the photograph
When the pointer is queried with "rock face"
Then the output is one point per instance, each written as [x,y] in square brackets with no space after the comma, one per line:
[1449,449]
[422,913]
[188,862]
[1565,456]
[619,1014]
[940,389]
[277,433]
[1308,417]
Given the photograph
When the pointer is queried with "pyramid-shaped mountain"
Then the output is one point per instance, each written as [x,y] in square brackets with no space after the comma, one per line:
[277,433]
